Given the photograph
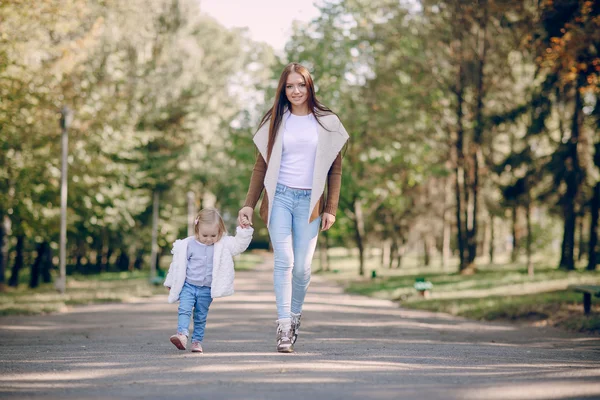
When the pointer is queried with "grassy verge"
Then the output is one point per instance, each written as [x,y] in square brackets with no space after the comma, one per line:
[494,293]
[108,287]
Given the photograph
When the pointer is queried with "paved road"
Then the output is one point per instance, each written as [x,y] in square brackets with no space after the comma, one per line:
[351,347]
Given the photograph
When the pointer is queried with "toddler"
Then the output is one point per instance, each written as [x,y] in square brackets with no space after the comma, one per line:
[201,270]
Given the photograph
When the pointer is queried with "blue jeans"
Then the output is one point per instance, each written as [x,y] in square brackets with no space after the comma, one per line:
[199,299]
[294,240]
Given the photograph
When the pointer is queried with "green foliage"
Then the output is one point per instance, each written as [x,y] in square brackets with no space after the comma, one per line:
[150,84]
[166,100]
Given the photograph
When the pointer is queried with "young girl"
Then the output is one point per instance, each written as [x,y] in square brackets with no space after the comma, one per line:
[202,269]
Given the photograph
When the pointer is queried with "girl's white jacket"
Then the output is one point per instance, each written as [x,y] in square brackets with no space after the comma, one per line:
[223,272]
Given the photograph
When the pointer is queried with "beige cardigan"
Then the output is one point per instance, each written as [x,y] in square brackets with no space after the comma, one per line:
[328,168]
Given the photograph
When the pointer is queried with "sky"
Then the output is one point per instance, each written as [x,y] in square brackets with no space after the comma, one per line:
[267,20]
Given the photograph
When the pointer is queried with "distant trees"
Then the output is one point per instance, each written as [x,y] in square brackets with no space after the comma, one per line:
[150,83]
[474,125]
[478,106]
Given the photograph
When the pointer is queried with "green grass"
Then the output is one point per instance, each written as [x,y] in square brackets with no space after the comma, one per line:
[81,290]
[247,261]
[107,287]
[496,292]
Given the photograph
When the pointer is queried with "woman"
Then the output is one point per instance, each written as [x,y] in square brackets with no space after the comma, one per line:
[299,142]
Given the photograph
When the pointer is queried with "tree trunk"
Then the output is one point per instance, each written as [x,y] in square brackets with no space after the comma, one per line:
[581,240]
[123,261]
[529,239]
[477,137]
[2,258]
[154,247]
[426,251]
[157,259]
[400,252]
[139,260]
[14,277]
[109,253]
[98,255]
[36,267]
[492,239]
[393,252]
[573,179]
[515,244]
[592,247]
[458,150]
[385,252]
[567,260]
[359,234]
[446,252]
[459,222]
[46,263]
[78,263]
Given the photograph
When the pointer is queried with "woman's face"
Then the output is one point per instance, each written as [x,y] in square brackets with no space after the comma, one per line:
[295,89]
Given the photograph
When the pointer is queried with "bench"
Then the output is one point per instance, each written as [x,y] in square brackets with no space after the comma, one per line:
[588,291]
[423,287]
[159,278]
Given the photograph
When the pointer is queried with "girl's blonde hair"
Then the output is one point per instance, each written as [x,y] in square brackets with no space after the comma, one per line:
[209,216]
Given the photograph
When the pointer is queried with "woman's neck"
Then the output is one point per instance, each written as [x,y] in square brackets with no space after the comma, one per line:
[300,110]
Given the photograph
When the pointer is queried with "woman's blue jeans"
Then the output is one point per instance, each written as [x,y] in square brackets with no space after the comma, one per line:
[294,240]
[195,298]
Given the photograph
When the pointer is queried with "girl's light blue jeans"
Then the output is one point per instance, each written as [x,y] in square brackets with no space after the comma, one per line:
[294,240]
[195,298]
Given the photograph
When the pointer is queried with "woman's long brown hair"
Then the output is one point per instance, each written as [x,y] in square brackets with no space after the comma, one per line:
[282,104]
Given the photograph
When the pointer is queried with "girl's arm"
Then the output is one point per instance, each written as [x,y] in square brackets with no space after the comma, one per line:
[240,242]
[169,278]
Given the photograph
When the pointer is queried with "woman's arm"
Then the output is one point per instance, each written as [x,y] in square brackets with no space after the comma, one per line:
[257,184]
[334,183]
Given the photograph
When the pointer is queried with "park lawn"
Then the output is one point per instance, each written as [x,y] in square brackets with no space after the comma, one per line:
[494,293]
[107,287]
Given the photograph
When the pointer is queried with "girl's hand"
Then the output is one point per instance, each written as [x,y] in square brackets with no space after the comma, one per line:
[327,221]
[245,217]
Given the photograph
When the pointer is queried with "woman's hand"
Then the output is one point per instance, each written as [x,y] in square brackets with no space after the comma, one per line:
[245,217]
[327,221]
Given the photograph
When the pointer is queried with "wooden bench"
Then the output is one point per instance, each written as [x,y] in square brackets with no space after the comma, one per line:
[588,291]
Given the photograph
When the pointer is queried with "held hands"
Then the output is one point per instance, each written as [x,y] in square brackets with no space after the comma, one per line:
[327,221]
[245,217]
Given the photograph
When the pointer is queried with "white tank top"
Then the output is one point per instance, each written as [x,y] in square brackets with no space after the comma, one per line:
[300,137]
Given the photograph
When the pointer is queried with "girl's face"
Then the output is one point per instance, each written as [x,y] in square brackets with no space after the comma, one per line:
[207,234]
[295,89]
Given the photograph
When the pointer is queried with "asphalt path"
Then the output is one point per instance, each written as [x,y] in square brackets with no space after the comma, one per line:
[350,347]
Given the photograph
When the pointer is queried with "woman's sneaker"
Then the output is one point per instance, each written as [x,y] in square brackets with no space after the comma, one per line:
[284,338]
[179,340]
[295,326]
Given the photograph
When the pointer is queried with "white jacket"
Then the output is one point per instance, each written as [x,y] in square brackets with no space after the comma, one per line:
[331,141]
[222,273]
